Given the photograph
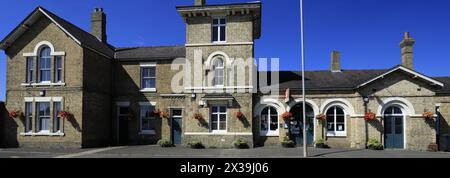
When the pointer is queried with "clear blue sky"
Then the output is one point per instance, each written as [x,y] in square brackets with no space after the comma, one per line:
[366,32]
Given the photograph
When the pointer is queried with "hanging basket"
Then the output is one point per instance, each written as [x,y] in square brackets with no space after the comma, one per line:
[287,116]
[369,116]
[198,116]
[239,115]
[13,114]
[427,115]
[321,117]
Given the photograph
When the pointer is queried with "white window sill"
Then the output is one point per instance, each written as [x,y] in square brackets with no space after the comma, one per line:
[42,134]
[147,132]
[147,90]
[43,84]
[336,134]
[218,132]
[265,134]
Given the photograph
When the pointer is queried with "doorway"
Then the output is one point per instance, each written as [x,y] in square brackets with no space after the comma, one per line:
[296,125]
[122,124]
[177,125]
[393,128]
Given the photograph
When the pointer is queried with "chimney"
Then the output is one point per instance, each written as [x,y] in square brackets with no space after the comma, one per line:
[98,24]
[407,51]
[200,2]
[335,61]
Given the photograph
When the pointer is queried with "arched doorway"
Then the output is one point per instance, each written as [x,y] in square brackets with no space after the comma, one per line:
[393,128]
[296,125]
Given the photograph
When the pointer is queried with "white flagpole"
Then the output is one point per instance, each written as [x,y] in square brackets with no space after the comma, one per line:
[305,146]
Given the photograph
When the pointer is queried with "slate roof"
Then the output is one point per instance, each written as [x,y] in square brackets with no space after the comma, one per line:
[84,37]
[151,52]
[446,88]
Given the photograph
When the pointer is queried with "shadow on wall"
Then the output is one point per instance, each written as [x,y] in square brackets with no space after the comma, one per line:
[8,129]
[127,89]
[444,134]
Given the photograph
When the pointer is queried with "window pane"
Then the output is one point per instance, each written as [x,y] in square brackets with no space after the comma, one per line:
[30,69]
[223,125]
[222,33]
[340,119]
[265,111]
[177,112]
[330,123]
[340,127]
[215,109]
[398,125]
[58,69]
[222,21]
[388,125]
[56,119]
[397,110]
[123,110]
[223,118]
[44,124]
[273,123]
[214,118]
[264,122]
[215,35]
[28,116]
[223,109]
[339,111]
[215,21]
[214,126]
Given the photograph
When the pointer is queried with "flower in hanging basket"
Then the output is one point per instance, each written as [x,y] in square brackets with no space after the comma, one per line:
[63,114]
[370,116]
[156,113]
[428,115]
[163,115]
[287,115]
[130,115]
[239,115]
[198,116]
[13,114]
[321,117]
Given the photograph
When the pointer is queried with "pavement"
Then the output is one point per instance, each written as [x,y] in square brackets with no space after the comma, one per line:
[153,151]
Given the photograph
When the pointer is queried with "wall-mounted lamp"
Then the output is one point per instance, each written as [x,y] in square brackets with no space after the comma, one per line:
[193,95]
[366,99]
[42,93]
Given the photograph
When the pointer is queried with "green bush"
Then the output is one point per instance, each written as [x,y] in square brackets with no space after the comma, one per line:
[165,143]
[374,144]
[241,144]
[320,143]
[195,144]
[287,143]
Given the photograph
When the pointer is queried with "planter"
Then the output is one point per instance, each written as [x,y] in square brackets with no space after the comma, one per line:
[239,115]
[370,116]
[287,115]
[427,115]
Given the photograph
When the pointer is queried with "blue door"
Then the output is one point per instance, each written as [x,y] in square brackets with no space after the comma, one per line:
[296,125]
[177,121]
[393,128]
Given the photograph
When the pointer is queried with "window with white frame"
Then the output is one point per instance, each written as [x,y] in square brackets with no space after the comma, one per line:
[58,69]
[44,65]
[30,70]
[148,76]
[28,117]
[336,121]
[218,118]
[219,71]
[269,121]
[148,119]
[219,29]
[43,116]
[56,117]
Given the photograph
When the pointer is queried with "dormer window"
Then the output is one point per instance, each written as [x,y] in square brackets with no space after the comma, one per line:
[219,30]
[44,65]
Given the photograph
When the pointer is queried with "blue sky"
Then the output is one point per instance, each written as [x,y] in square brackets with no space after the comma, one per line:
[366,32]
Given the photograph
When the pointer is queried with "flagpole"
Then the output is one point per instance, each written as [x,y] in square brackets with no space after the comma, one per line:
[305,146]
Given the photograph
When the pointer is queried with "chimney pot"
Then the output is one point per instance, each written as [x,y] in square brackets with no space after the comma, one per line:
[98,24]
[200,2]
[406,35]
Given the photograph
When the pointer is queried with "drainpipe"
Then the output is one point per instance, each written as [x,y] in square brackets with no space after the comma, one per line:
[437,126]
[366,102]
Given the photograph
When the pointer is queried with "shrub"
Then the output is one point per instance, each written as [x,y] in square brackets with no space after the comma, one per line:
[165,143]
[195,144]
[287,143]
[321,143]
[241,144]
[374,144]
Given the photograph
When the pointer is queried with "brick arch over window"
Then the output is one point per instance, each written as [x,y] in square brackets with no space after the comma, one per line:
[209,61]
[41,45]
[403,103]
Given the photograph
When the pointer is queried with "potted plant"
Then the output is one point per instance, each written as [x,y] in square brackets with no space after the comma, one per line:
[287,115]
[163,115]
[428,115]
[241,144]
[374,144]
[321,117]
[287,142]
[239,115]
[369,116]
[320,143]
[164,143]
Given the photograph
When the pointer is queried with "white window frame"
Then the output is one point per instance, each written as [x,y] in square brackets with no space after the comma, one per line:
[147,65]
[40,70]
[34,131]
[141,131]
[335,133]
[403,115]
[58,70]
[218,25]
[57,117]
[218,131]
[269,132]
[38,118]
[30,75]
[28,117]
[215,72]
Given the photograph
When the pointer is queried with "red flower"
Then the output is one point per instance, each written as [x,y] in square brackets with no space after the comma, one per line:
[428,115]
[370,116]
[13,114]
[321,117]
[163,115]
[286,115]
[63,114]
[239,115]
[198,116]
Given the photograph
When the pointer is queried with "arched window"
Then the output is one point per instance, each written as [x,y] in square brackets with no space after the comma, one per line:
[44,64]
[269,121]
[218,67]
[336,121]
